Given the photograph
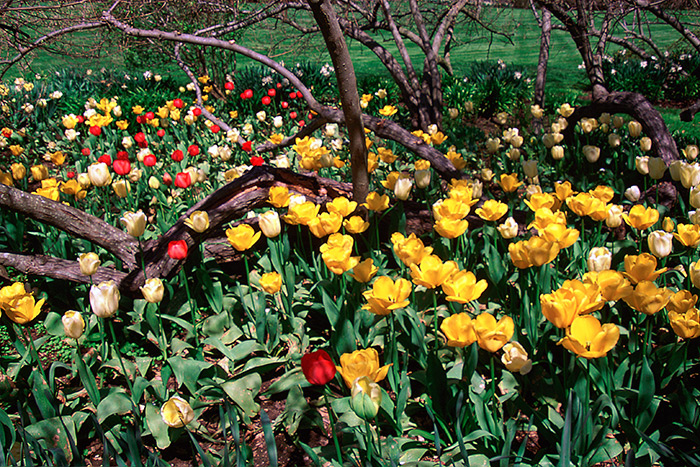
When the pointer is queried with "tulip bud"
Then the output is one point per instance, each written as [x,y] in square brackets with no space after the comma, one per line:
[39,172]
[516,141]
[271,282]
[19,171]
[422,178]
[269,223]
[477,189]
[694,273]
[515,358]
[89,262]
[198,221]
[635,128]
[84,180]
[135,223]
[614,140]
[153,182]
[614,219]
[121,188]
[99,174]
[633,193]
[691,152]
[557,153]
[104,299]
[645,144]
[176,412]
[675,170]
[402,188]
[153,290]
[668,225]
[486,174]
[73,324]
[660,243]
[657,167]
[530,168]
[599,259]
[618,121]
[513,154]
[509,229]
[592,153]
[366,397]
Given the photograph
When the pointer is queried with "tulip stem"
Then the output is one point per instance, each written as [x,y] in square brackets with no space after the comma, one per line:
[193,315]
[332,418]
[369,440]
[103,347]
[119,357]
[35,356]
[143,261]
[435,320]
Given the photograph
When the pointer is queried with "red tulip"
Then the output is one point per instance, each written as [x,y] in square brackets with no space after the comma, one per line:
[229,86]
[256,161]
[196,111]
[292,95]
[122,167]
[177,155]
[292,115]
[215,128]
[149,160]
[183,180]
[177,249]
[265,100]
[85,151]
[95,130]
[139,119]
[285,104]
[140,137]
[299,95]
[160,132]
[279,85]
[247,146]
[193,150]
[167,179]
[123,155]
[301,123]
[81,119]
[70,174]
[105,158]
[248,93]
[271,92]
[318,367]
[178,103]
[150,115]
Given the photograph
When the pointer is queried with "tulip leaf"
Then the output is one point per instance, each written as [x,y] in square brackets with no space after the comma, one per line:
[330,307]
[158,428]
[287,381]
[212,291]
[243,391]
[55,432]
[117,402]
[647,386]
[53,324]
[215,325]
[187,371]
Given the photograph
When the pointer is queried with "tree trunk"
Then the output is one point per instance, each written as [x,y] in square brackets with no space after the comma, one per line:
[349,97]
[543,60]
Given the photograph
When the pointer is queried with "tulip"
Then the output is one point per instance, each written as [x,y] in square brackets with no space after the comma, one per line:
[614,140]
[588,339]
[509,183]
[612,284]
[618,121]
[73,324]
[39,172]
[642,164]
[682,301]
[685,325]
[135,223]
[450,208]
[318,367]
[387,295]
[694,197]
[691,152]
[633,193]
[99,174]
[635,129]
[422,178]
[89,262]
[592,153]
[641,268]
[492,210]
[336,253]
[660,243]
[19,171]
[325,224]
[648,298]
[278,196]
[493,145]
[342,206]
[402,188]
[675,170]
[645,144]
[657,167]
[355,225]
[177,249]
[431,272]
[459,330]
[183,180]
[515,358]
[176,412]
[450,228]
[563,190]
[269,223]
[242,237]
[153,290]
[688,235]
[509,229]
[271,282]
[614,219]
[361,363]
[560,234]
[641,218]
[557,153]
[198,221]
[549,140]
[301,214]
[689,174]
[365,397]
[599,259]
[364,271]
[462,287]
[411,249]
[104,299]
[533,252]
[536,111]
[492,335]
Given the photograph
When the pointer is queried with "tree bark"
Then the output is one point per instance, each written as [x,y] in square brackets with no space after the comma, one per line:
[349,97]
[541,79]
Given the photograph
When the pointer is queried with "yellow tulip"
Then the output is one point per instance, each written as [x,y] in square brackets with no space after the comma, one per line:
[39,172]
[641,218]
[19,171]
[387,295]
[271,282]
[603,193]
[459,330]
[686,325]
[613,285]
[648,298]
[342,206]
[641,268]
[198,221]
[242,237]
[135,223]
[450,208]
[563,190]
[325,224]
[492,210]
[560,234]
[533,252]
[545,217]
[492,335]
[541,200]
[355,225]
[431,272]
[49,189]
[153,290]
[682,301]
[336,253]
[411,249]
[376,202]
[688,235]
[89,262]
[364,271]
[572,299]
[451,228]
[462,287]
[278,196]
[176,412]
[509,183]
[301,214]
[361,363]
[587,338]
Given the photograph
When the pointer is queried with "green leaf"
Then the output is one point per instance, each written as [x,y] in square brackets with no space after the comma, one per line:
[53,324]
[158,428]
[647,386]
[117,402]
[212,291]
[243,391]
[55,432]
[187,371]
